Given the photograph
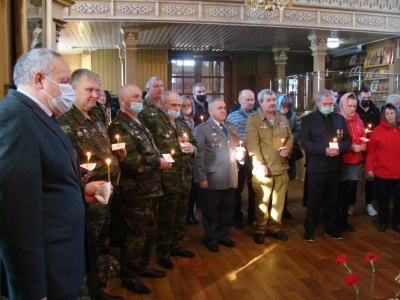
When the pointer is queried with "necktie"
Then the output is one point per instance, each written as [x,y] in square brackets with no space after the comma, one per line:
[223,129]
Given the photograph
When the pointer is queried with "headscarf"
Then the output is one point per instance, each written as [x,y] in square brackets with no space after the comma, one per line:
[396,109]
[279,101]
[344,101]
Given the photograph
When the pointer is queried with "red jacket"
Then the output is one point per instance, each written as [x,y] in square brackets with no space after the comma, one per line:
[383,151]
[356,131]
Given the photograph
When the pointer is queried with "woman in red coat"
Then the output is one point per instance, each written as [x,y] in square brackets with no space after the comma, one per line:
[352,160]
[383,162]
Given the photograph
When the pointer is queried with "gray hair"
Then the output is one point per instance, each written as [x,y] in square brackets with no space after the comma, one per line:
[324,93]
[37,60]
[198,85]
[212,102]
[78,74]
[261,94]
[151,80]
[166,95]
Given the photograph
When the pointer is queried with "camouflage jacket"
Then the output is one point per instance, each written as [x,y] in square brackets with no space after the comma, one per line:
[99,111]
[91,136]
[167,138]
[140,176]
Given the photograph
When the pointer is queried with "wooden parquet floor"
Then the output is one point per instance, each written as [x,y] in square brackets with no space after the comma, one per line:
[278,270]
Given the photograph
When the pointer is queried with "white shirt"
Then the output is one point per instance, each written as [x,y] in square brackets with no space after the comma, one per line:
[41,105]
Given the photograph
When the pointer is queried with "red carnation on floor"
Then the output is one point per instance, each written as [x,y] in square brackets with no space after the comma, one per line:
[351,279]
[371,257]
[341,259]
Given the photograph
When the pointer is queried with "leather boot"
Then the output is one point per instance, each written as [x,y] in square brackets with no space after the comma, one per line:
[191,218]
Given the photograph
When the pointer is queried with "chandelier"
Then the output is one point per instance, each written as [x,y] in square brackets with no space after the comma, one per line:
[268,5]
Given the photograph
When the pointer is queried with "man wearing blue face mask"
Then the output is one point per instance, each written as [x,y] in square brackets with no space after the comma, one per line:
[324,138]
[141,188]
[173,136]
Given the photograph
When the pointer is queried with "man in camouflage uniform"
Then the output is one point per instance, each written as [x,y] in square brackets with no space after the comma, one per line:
[172,136]
[141,188]
[155,91]
[88,134]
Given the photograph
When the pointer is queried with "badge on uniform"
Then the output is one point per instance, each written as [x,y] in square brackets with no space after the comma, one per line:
[216,145]
[263,125]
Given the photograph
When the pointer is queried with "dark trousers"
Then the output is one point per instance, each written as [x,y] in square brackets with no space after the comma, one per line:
[386,189]
[245,174]
[217,213]
[138,231]
[346,195]
[322,191]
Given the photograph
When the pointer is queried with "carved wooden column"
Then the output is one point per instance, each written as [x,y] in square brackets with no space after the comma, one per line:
[280,57]
[319,47]
[54,21]
[131,39]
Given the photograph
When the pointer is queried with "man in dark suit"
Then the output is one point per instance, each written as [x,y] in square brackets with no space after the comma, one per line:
[215,170]
[324,138]
[42,208]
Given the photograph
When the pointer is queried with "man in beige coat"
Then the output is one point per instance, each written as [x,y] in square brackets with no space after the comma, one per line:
[269,142]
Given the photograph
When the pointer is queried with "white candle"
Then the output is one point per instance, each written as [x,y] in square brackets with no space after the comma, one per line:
[108,161]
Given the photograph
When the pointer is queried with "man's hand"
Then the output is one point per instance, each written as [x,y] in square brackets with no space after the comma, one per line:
[332,152]
[90,190]
[164,165]
[359,148]
[120,153]
[203,184]
[187,148]
[284,152]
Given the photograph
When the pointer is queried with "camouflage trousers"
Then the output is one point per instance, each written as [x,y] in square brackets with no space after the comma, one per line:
[97,224]
[138,231]
[172,213]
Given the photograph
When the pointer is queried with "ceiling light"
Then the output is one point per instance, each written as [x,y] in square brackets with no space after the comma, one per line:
[268,5]
[333,42]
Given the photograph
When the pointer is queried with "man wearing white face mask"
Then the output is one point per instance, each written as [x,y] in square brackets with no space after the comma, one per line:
[42,209]
[324,138]
[89,135]
[173,136]
[141,189]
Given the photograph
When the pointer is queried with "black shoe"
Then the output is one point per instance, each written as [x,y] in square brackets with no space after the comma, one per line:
[227,243]
[396,227]
[258,238]
[213,247]
[334,235]
[137,287]
[182,253]
[191,219]
[103,296]
[278,235]
[166,263]
[309,237]
[286,215]
[237,224]
[382,227]
[153,273]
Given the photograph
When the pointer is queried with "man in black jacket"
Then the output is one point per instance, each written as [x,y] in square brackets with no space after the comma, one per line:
[370,115]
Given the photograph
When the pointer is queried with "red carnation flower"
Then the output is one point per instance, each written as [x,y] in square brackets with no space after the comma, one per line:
[341,259]
[371,257]
[351,279]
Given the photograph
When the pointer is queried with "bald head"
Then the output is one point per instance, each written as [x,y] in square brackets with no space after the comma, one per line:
[246,100]
[127,94]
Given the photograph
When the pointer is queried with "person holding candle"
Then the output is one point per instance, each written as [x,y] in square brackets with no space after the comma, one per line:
[89,134]
[215,171]
[352,161]
[141,189]
[383,164]
[370,115]
[284,106]
[323,163]
[264,130]
[239,119]
[170,132]
[42,200]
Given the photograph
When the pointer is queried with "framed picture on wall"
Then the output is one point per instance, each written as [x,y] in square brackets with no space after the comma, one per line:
[374,85]
[35,23]
[387,57]
[353,60]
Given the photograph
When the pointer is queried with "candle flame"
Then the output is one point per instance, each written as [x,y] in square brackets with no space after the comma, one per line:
[334,140]
[172,151]
[108,161]
[88,154]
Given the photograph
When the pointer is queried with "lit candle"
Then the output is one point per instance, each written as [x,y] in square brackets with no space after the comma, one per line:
[108,161]
[88,154]
[240,143]
[172,152]
[369,126]
[201,119]
[283,142]
[117,137]
[334,140]
[185,137]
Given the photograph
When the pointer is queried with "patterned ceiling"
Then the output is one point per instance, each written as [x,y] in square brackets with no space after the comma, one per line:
[83,35]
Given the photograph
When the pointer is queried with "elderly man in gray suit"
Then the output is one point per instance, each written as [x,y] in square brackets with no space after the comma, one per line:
[215,170]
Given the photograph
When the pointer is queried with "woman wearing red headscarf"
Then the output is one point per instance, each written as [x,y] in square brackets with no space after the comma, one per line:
[352,160]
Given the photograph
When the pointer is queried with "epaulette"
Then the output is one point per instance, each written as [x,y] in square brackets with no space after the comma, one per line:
[202,124]
[253,113]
